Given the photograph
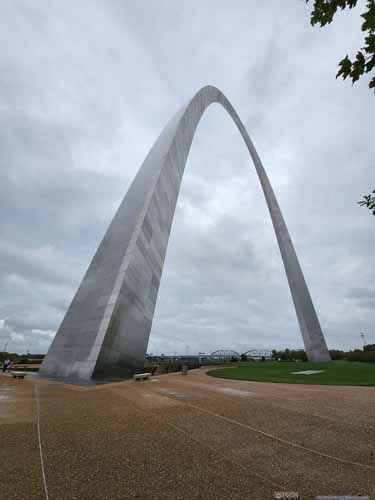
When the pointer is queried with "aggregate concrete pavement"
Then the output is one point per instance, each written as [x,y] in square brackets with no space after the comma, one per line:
[184,438]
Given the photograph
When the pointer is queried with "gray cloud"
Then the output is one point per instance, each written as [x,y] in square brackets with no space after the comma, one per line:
[85,89]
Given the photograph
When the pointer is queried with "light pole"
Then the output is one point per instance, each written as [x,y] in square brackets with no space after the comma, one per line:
[200,354]
[362,335]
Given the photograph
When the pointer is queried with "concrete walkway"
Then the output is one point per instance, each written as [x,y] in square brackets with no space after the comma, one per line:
[184,438]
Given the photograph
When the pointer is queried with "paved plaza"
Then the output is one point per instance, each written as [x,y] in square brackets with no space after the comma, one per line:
[184,438]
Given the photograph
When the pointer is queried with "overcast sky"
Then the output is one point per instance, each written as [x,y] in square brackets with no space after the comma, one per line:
[85,89]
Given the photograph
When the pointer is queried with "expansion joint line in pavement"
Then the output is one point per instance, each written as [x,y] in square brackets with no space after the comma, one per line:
[40,441]
[281,440]
[323,417]
[238,464]
[318,415]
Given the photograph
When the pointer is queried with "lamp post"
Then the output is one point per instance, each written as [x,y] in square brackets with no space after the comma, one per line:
[362,335]
[5,348]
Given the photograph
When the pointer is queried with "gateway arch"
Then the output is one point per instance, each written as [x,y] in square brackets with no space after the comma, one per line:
[105,332]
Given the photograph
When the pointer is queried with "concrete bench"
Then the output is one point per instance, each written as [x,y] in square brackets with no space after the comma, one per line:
[141,376]
[18,374]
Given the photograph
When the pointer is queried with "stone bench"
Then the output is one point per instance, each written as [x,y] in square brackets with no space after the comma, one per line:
[18,374]
[141,376]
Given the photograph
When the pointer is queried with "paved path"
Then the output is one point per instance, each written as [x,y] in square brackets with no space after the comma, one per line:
[184,438]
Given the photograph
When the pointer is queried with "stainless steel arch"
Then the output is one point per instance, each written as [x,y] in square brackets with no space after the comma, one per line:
[106,328]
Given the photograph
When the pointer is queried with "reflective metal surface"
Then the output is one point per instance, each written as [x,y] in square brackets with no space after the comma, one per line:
[106,328]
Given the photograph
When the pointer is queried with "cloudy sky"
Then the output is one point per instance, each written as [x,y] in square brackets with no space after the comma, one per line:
[85,89]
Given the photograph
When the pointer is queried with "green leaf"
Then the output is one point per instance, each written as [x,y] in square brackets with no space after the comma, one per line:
[370,44]
[324,10]
[358,67]
[370,64]
[345,68]
[323,13]
[369,17]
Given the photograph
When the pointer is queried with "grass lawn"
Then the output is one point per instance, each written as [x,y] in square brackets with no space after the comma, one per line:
[335,373]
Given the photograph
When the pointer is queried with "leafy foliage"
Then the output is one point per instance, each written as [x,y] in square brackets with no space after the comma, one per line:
[369,202]
[367,355]
[364,62]
[290,355]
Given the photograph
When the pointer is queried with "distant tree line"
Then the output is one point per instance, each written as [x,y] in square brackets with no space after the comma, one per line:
[170,366]
[367,355]
[290,355]
[22,359]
